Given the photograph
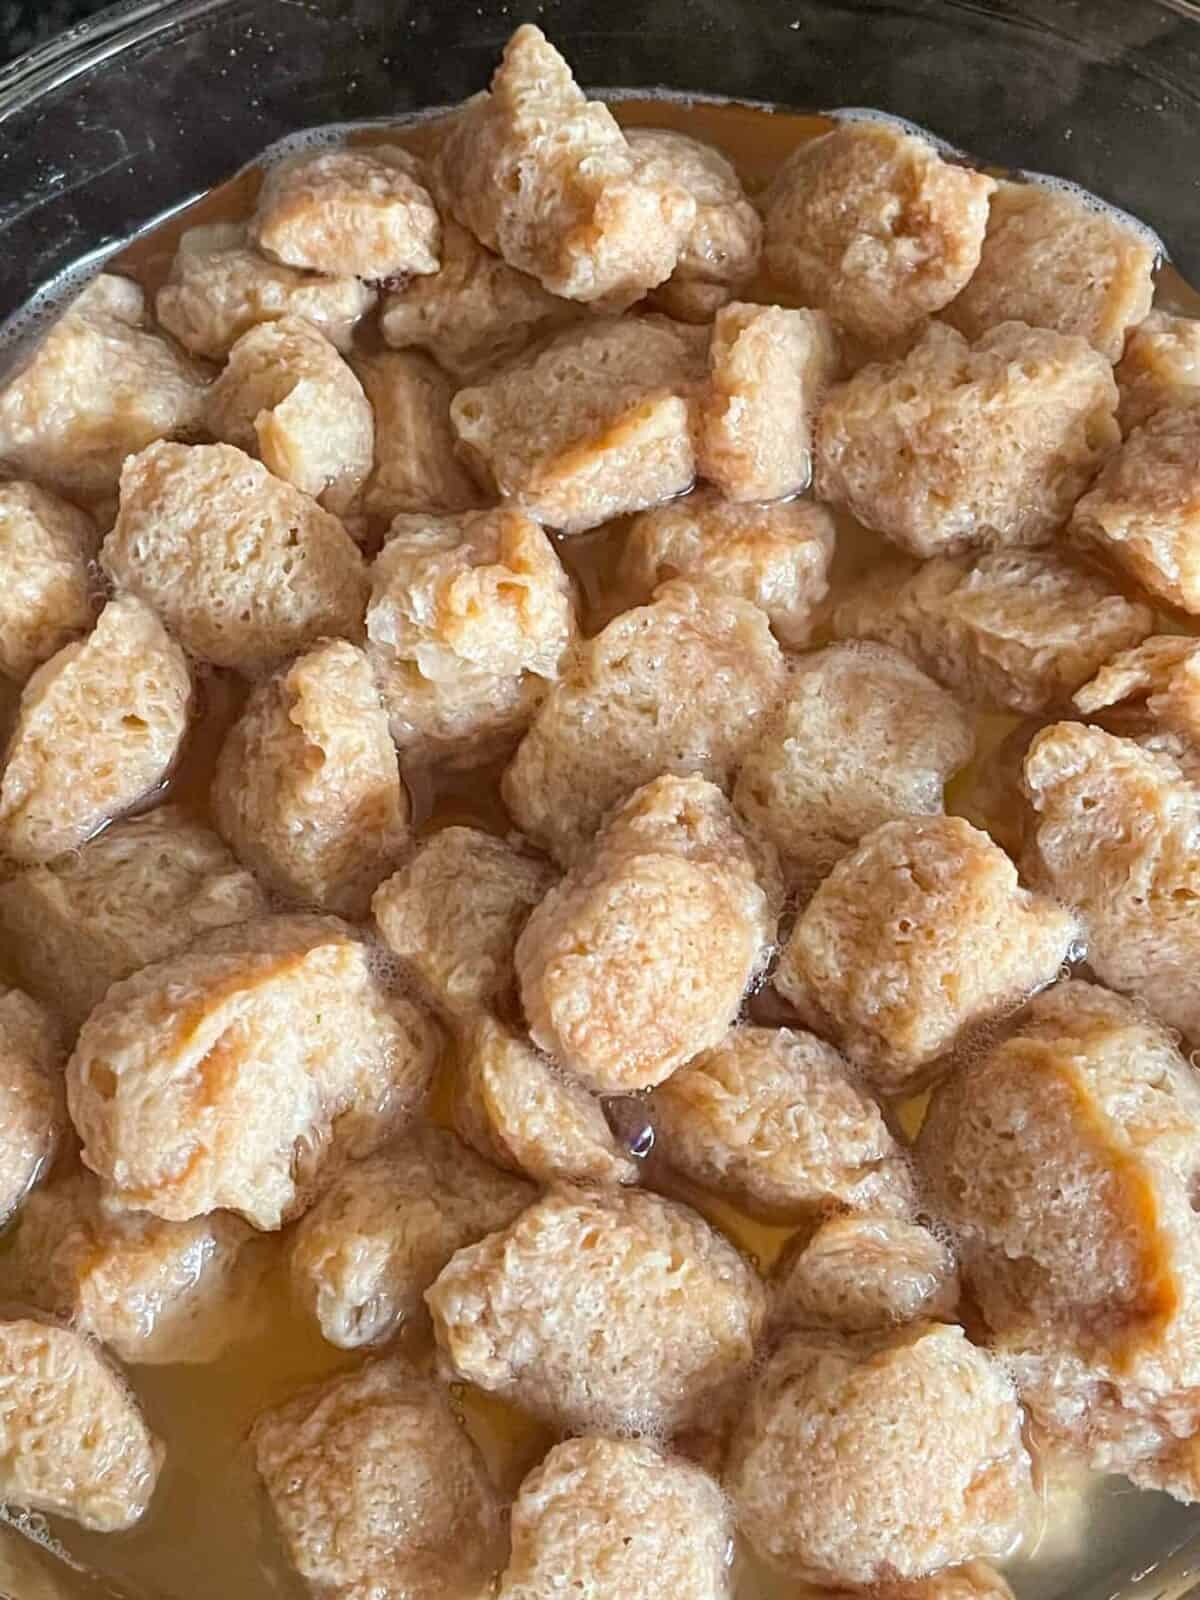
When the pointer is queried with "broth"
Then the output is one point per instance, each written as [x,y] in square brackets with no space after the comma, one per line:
[208,1534]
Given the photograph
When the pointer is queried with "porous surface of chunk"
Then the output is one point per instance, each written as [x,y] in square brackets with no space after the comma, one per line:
[72,1440]
[49,595]
[768,370]
[680,685]
[545,177]
[871,224]
[720,252]
[880,1457]
[960,445]
[920,932]
[474,313]
[151,1291]
[857,1274]
[773,1119]
[416,464]
[288,397]
[1160,367]
[640,957]
[1117,834]
[365,1254]
[1143,511]
[453,911]
[520,1111]
[611,1517]
[140,891]
[378,1490]
[1065,1159]
[241,1073]
[468,622]
[307,788]
[1011,630]
[1162,674]
[219,287]
[32,1113]
[607,1309]
[1057,260]
[98,729]
[861,737]
[775,556]
[243,568]
[98,387]
[361,213]
[594,424]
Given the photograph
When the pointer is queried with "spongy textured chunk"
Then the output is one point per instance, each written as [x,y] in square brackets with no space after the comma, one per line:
[858,1274]
[49,595]
[32,1112]
[1161,676]
[1160,367]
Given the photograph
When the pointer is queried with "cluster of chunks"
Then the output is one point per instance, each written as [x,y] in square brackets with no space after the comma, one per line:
[947,381]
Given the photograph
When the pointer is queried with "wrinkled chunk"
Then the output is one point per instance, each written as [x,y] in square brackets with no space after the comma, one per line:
[1162,674]
[416,465]
[49,594]
[1160,367]
[859,1274]
[32,1112]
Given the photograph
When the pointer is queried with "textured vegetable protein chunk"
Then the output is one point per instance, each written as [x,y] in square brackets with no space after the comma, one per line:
[609,1309]
[862,1273]
[416,465]
[918,934]
[32,1111]
[869,223]
[365,1254]
[960,445]
[98,729]
[49,595]
[1160,367]
[1162,673]
[378,1491]
[617,1517]
[640,957]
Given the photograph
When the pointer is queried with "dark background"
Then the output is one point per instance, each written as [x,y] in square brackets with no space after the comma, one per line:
[24,23]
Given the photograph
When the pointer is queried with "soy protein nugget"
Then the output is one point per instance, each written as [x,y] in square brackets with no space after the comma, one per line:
[776,556]
[520,1111]
[453,911]
[365,1254]
[768,370]
[592,425]
[98,387]
[618,1517]
[32,1112]
[307,787]
[1116,832]
[50,593]
[416,464]
[351,212]
[680,685]
[474,313]
[960,445]
[865,1272]
[640,957]
[219,287]
[243,568]
[138,892]
[720,252]
[861,737]
[546,178]
[1054,260]
[1078,1234]
[240,1074]
[919,933]
[608,1309]
[880,1457]
[1161,674]
[72,1440]
[468,623]
[378,1491]
[1160,367]
[1143,511]
[152,1291]
[773,1119]
[98,729]
[288,397]
[1010,630]
[869,223]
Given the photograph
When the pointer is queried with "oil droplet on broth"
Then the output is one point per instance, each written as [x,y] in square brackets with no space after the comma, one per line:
[208,1535]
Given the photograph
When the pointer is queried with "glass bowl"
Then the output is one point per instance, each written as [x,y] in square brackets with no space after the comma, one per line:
[129,117]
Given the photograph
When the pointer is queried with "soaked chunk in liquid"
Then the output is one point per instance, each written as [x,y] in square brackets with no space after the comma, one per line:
[416,467]
[32,1112]
[1160,367]
[1162,674]
[49,594]
[859,1274]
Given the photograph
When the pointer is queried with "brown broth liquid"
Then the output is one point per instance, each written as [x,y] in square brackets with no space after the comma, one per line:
[208,1534]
